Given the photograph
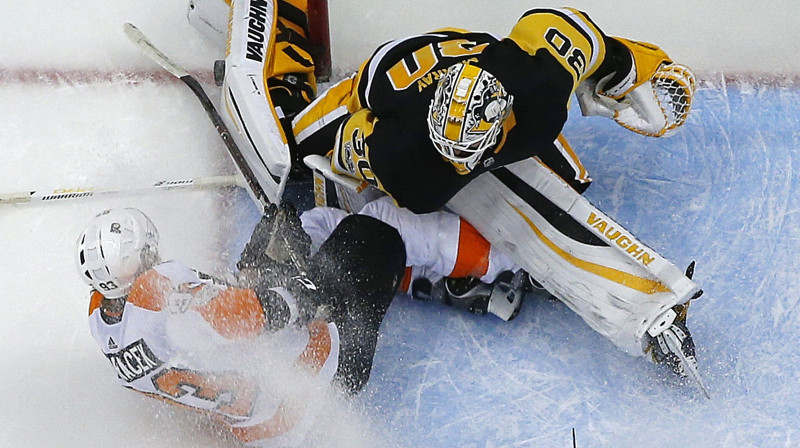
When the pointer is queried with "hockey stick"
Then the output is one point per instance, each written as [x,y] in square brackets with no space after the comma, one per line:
[146,47]
[61,194]
[255,190]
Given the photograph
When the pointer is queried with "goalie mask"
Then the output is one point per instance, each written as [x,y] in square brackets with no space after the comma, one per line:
[467,114]
[115,248]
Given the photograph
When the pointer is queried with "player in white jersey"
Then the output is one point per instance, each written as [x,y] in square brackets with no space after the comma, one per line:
[177,334]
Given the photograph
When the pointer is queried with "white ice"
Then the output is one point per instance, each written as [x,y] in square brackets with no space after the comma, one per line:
[720,192]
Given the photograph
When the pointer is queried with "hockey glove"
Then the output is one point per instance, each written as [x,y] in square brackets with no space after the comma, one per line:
[655,108]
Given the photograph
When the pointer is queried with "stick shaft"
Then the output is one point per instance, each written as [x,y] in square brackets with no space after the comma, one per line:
[150,50]
[74,193]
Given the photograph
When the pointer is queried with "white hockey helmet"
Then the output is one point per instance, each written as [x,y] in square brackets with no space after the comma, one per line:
[467,114]
[116,246]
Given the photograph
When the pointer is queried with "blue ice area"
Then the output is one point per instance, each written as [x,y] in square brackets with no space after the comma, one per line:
[720,192]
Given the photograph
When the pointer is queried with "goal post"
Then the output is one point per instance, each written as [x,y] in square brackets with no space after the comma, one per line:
[320,37]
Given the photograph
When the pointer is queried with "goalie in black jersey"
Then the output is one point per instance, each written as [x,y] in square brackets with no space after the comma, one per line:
[426,114]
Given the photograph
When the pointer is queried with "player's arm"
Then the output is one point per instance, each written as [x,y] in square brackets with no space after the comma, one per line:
[568,35]
[350,156]
[633,82]
[315,126]
[232,312]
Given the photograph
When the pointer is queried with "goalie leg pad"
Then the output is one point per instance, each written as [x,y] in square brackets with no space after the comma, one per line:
[610,289]
[260,90]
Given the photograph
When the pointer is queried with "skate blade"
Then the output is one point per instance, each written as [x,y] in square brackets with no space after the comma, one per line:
[689,365]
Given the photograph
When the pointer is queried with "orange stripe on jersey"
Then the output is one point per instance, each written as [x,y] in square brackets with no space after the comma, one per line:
[283,420]
[406,283]
[473,252]
[235,313]
[150,291]
[318,348]
[94,301]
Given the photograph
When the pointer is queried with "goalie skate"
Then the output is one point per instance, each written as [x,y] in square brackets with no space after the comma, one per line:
[674,346]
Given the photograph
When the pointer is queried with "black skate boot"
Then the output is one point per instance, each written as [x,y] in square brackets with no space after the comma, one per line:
[503,298]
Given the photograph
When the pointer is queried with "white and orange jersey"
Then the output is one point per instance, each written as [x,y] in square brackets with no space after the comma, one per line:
[188,340]
[437,244]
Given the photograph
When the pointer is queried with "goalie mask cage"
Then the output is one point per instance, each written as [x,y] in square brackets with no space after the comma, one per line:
[320,37]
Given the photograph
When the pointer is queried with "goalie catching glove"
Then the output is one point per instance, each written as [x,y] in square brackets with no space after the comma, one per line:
[653,99]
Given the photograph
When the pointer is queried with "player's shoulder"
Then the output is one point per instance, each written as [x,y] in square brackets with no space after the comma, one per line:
[556,27]
[544,15]
[569,35]
[392,51]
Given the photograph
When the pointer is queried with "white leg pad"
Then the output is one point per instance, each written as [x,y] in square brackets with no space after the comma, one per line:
[524,209]
[247,108]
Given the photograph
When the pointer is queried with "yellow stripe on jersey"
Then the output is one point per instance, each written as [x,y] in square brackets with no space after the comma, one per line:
[563,146]
[567,34]
[350,152]
[325,109]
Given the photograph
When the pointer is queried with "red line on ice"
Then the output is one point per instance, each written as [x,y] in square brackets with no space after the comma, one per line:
[93,76]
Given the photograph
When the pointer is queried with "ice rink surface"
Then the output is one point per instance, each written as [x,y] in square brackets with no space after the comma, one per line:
[79,108]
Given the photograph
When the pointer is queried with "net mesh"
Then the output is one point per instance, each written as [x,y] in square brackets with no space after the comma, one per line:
[674,86]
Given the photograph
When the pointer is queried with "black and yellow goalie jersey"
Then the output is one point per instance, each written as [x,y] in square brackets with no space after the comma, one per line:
[378,117]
